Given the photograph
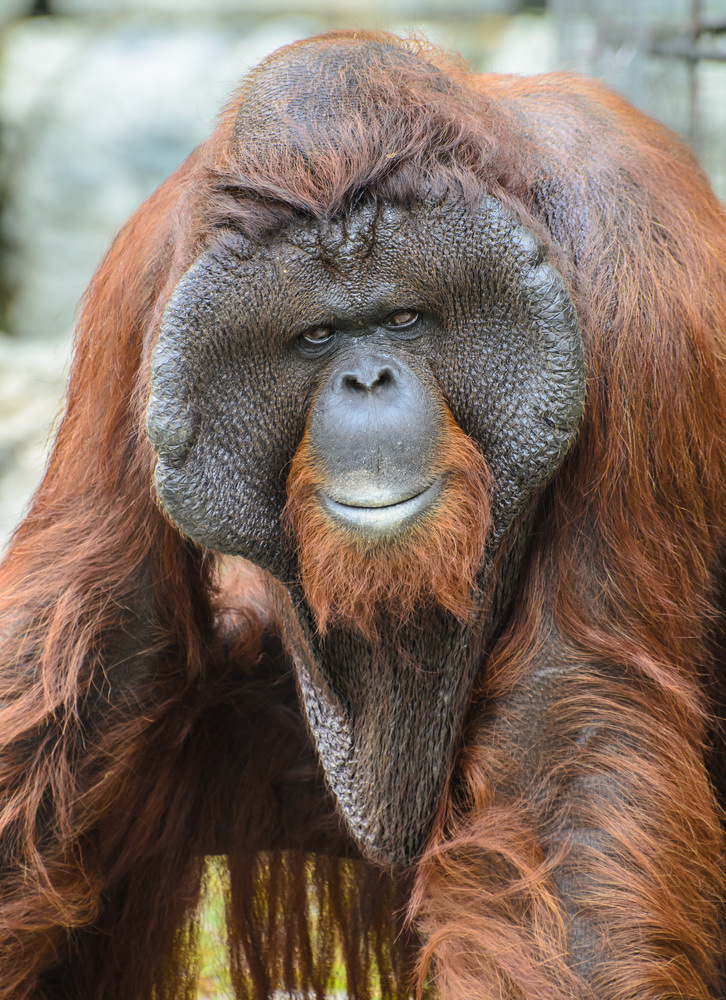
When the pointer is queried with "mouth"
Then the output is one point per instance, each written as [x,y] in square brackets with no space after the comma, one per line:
[380,519]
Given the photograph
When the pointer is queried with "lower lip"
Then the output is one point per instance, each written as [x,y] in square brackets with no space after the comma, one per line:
[381,521]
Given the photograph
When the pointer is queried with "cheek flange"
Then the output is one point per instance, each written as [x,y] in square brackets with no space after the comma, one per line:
[221,418]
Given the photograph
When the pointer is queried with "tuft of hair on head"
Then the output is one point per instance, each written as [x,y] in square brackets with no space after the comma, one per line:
[351,582]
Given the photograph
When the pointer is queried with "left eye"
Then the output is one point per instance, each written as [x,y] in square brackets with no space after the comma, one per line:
[401,319]
[319,335]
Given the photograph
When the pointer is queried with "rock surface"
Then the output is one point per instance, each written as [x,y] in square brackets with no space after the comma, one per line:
[32,380]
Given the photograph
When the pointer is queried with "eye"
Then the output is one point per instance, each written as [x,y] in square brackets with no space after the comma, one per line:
[401,319]
[317,336]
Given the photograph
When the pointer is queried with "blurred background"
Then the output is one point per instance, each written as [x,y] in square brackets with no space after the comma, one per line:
[101,99]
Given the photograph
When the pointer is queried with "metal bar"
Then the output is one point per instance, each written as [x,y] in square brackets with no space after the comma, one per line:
[706,27]
[693,122]
[680,48]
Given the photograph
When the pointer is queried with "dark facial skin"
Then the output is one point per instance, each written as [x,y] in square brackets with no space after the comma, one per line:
[359,329]
[374,426]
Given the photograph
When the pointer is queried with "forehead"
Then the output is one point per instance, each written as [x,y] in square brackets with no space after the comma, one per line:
[372,236]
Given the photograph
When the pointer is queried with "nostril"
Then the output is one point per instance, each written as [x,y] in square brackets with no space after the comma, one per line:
[353,382]
[364,382]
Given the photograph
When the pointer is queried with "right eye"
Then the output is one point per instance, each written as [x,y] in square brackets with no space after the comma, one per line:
[317,336]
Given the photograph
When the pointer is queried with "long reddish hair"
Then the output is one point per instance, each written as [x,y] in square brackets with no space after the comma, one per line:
[106,803]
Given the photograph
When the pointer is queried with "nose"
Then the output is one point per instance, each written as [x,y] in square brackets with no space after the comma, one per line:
[368,375]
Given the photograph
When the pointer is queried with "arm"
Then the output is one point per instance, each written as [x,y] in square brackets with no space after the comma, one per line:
[592,829]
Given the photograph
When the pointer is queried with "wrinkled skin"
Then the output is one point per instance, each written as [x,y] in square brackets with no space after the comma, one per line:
[361,329]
